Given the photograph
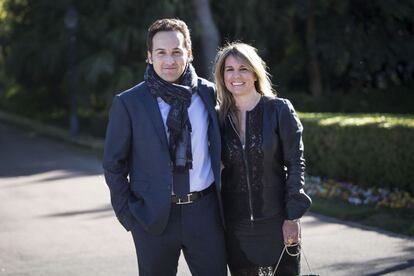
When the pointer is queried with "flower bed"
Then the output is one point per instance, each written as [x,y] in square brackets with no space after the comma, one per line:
[355,195]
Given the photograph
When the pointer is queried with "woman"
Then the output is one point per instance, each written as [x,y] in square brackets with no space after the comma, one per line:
[263,174]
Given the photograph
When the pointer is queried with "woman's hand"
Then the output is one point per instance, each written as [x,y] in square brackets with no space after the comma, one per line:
[291,231]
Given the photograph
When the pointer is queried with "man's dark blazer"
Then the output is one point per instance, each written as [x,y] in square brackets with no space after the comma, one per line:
[137,163]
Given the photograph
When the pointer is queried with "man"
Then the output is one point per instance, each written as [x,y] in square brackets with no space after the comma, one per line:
[162,160]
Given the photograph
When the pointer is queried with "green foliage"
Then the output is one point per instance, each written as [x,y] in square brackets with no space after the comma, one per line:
[359,44]
[367,42]
[370,150]
[363,48]
[110,51]
[393,100]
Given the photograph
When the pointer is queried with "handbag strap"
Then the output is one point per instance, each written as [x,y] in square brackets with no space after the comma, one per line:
[285,249]
[280,258]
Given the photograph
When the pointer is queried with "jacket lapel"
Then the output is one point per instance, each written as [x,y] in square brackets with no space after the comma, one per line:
[151,105]
[208,102]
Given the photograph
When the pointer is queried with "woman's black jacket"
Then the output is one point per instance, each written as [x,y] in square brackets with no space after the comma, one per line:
[265,177]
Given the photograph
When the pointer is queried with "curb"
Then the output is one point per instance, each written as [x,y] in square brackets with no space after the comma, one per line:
[52,131]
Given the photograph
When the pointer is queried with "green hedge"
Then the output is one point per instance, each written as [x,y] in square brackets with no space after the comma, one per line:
[371,150]
[400,101]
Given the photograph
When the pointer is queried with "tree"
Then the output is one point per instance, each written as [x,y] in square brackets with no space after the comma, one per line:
[210,36]
[110,51]
[343,46]
[315,82]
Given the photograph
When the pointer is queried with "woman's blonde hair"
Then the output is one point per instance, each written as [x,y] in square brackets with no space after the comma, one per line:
[248,55]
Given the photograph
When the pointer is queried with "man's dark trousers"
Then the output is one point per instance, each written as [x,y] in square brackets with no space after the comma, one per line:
[196,229]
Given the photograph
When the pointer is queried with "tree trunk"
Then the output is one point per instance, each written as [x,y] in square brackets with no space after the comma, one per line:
[314,74]
[210,37]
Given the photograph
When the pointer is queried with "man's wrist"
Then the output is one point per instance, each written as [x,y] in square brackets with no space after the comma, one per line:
[293,220]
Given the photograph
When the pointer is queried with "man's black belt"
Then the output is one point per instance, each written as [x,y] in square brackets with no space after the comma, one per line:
[190,197]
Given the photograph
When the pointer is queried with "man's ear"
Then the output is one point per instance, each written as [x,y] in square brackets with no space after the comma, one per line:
[149,57]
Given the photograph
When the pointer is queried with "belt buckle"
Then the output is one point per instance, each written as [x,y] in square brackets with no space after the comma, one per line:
[182,202]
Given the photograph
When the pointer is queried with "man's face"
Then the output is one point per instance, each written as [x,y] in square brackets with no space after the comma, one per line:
[169,55]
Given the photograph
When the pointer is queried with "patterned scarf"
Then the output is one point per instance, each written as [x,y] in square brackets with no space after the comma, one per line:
[178,96]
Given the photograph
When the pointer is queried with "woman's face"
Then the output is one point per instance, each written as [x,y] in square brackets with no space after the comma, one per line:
[238,79]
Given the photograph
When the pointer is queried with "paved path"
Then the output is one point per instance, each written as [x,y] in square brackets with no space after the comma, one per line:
[55,219]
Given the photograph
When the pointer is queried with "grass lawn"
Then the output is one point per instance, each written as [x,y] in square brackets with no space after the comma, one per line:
[395,220]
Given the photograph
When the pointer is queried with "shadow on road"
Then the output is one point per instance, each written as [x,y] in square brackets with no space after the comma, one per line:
[321,220]
[24,153]
[377,264]
[398,267]
[104,209]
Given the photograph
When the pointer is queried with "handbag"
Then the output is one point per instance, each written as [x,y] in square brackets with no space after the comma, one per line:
[286,250]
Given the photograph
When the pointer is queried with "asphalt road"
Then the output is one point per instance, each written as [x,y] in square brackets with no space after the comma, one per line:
[55,219]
